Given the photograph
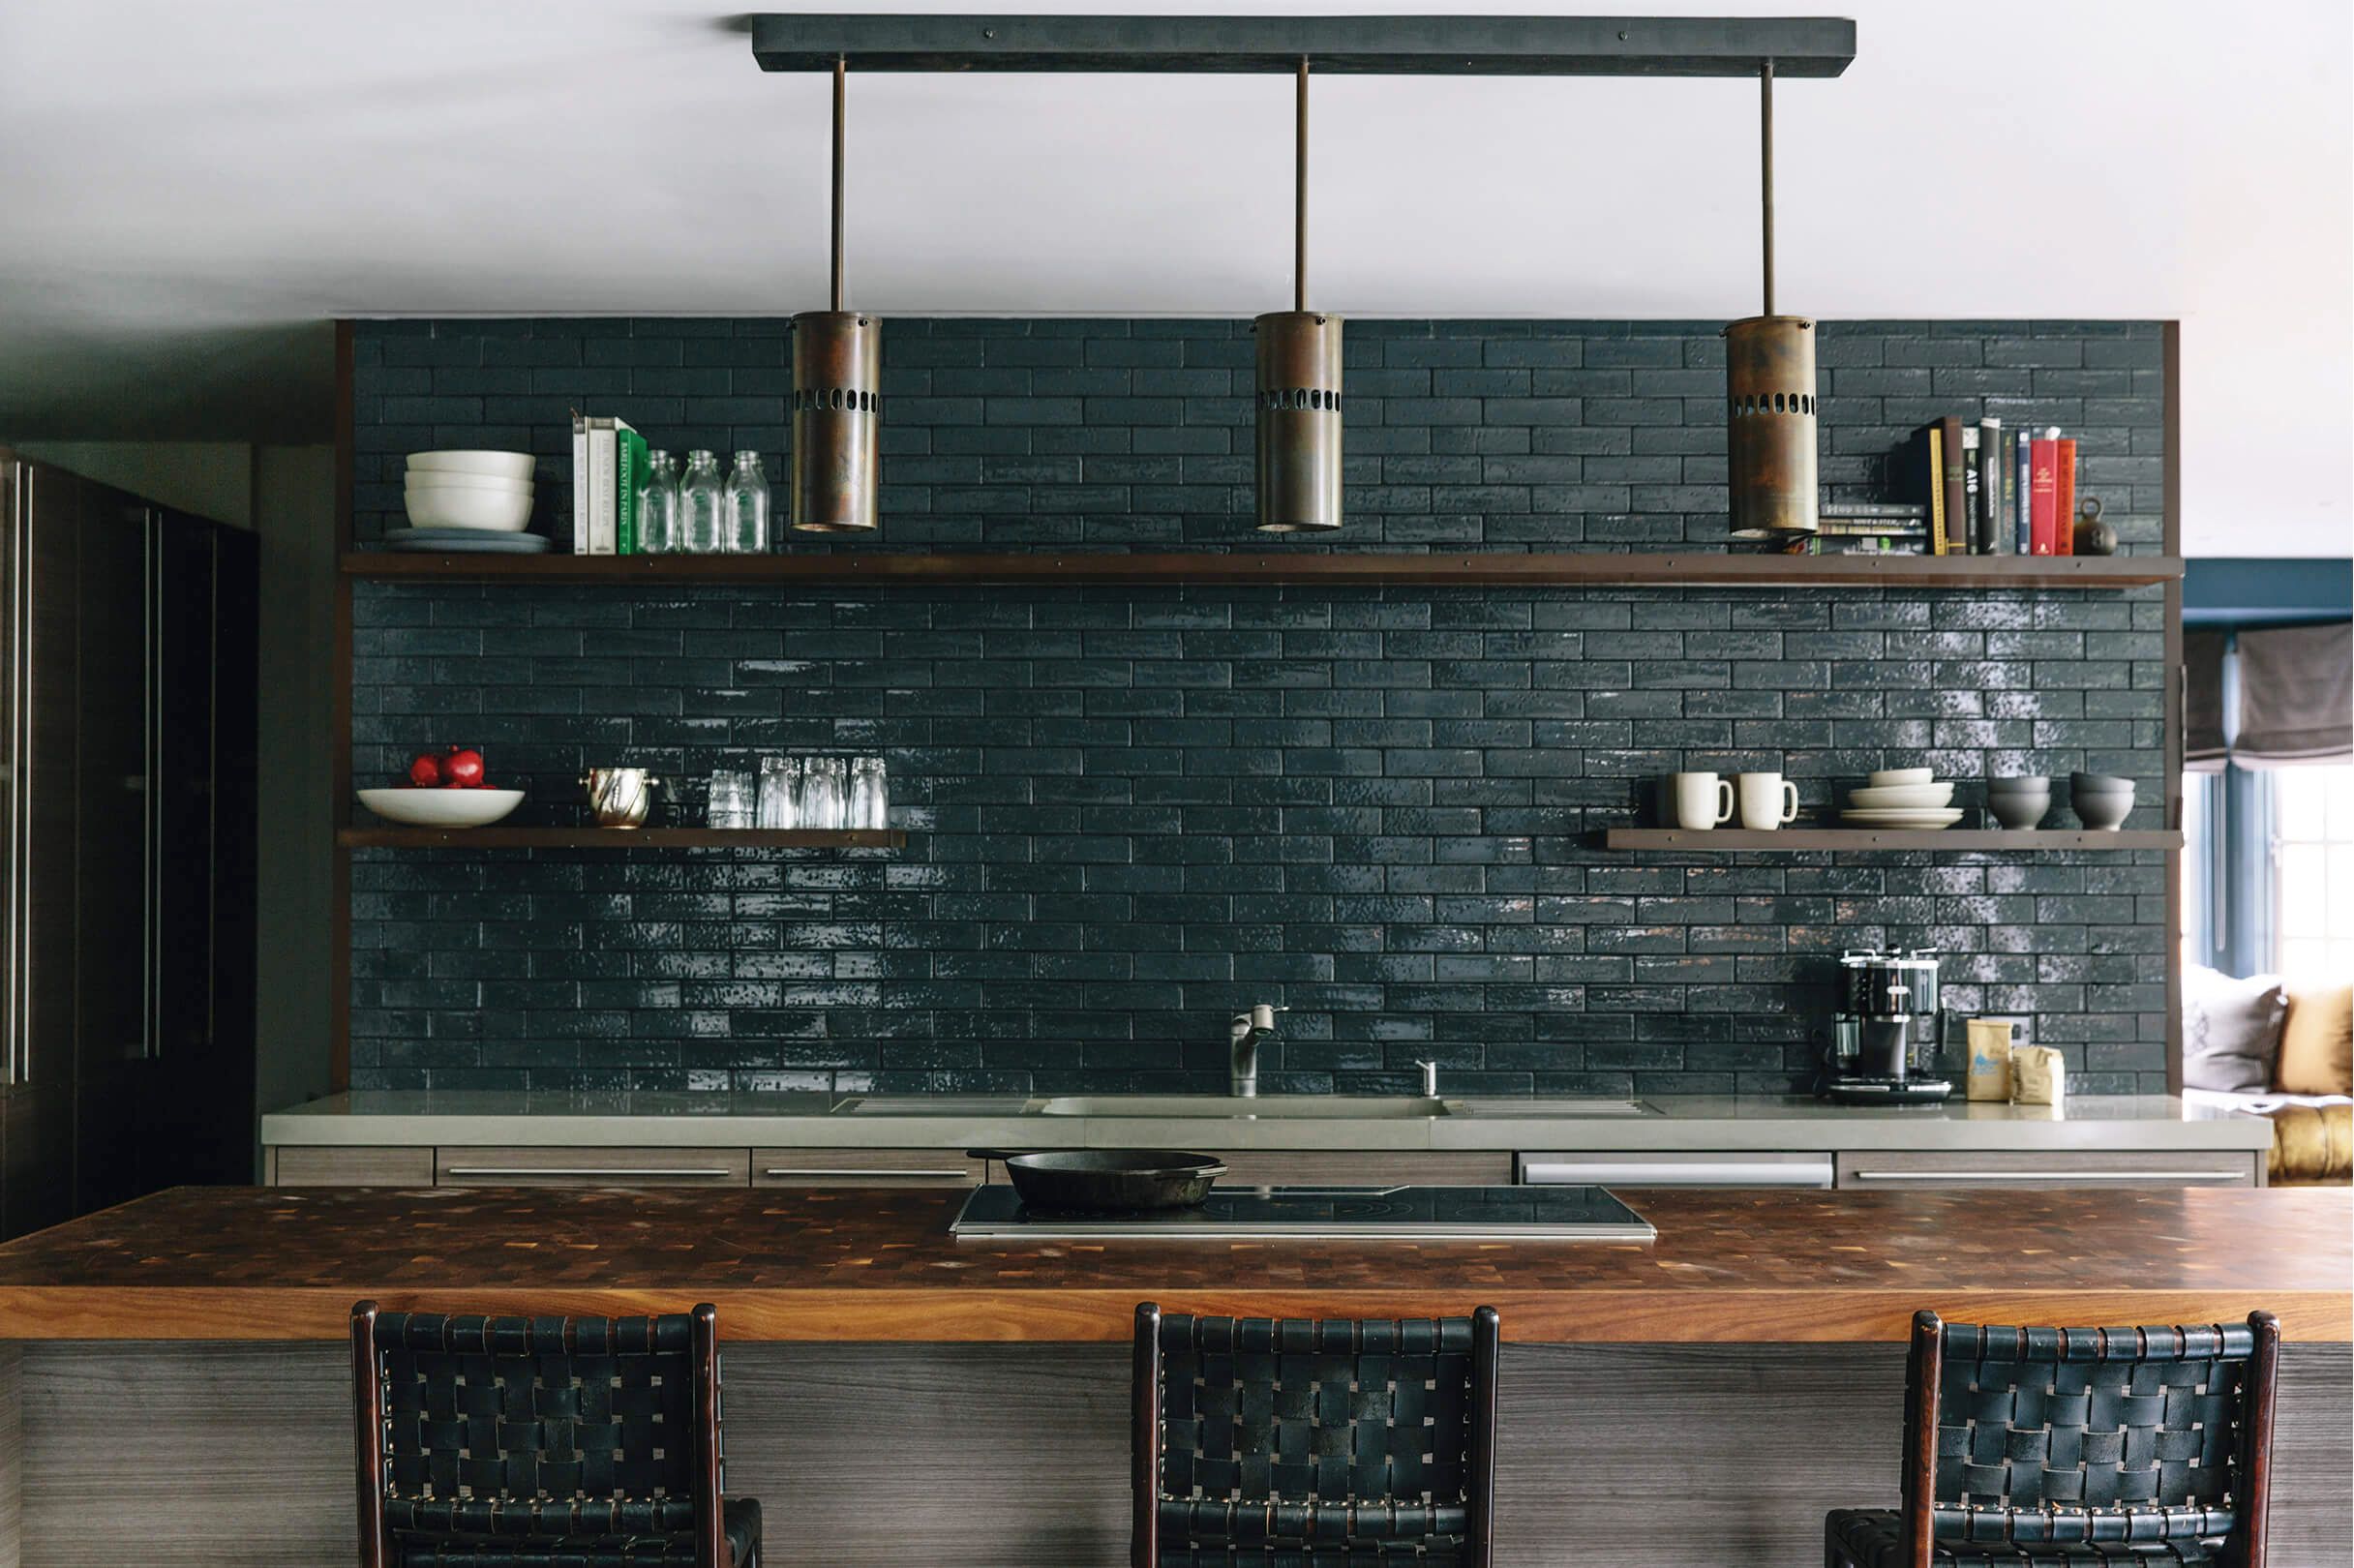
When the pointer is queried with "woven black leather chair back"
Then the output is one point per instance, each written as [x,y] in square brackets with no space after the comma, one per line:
[1312,1442]
[536,1434]
[2074,1434]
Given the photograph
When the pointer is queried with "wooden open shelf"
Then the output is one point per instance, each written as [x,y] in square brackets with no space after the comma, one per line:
[1888,838]
[1368,568]
[497,837]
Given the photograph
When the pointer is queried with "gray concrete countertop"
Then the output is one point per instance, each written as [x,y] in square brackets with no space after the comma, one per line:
[477,1118]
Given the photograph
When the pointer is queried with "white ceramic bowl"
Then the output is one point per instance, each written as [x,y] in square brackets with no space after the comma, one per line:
[433,479]
[1915,796]
[468,509]
[442,808]
[496,464]
[1888,776]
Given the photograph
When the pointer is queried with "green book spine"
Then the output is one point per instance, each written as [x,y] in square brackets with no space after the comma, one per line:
[625,501]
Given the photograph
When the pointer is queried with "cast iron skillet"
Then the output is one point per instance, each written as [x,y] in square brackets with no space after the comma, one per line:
[1106,1180]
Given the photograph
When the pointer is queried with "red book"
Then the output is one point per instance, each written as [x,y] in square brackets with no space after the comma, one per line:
[2042,482]
[2063,501]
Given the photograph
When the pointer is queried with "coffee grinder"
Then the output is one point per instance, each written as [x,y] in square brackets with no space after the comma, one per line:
[1887,1032]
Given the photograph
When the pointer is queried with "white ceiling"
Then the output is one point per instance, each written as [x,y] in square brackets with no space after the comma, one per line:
[187,191]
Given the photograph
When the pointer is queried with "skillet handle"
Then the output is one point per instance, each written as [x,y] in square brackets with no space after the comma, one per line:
[1000,1155]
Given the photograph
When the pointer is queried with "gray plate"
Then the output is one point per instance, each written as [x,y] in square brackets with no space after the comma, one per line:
[464,541]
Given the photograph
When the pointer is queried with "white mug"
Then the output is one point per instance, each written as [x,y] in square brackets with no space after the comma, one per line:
[1702,800]
[1767,800]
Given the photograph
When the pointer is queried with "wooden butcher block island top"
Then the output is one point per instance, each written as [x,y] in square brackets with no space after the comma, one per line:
[859,1264]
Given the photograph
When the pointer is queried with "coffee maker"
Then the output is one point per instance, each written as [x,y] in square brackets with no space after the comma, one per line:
[1886,1034]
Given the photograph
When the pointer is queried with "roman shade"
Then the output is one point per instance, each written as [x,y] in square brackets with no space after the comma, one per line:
[2296,696]
[2204,748]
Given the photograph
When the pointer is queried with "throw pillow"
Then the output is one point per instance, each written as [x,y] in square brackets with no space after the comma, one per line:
[2231,1029]
[2317,1046]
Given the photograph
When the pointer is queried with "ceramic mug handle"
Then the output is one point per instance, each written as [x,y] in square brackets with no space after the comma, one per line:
[1789,801]
[1724,799]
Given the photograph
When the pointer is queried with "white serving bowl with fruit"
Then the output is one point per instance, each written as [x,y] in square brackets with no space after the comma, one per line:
[445,789]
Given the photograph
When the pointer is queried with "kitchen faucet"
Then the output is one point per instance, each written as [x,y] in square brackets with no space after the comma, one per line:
[1245,1033]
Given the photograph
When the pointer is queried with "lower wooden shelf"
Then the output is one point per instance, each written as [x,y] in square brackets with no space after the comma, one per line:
[496,837]
[1729,840]
[1483,569]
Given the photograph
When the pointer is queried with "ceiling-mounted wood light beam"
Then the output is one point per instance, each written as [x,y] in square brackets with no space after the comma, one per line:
[1339,46]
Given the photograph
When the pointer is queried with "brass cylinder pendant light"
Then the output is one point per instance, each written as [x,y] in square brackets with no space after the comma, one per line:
[1299,385]
[1769,383]
[837,377]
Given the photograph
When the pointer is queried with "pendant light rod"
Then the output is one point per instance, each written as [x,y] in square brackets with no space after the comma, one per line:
[1766,175]
[841,69]
[1299,193]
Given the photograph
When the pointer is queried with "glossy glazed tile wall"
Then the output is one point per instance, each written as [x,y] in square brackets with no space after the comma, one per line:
[1133,812]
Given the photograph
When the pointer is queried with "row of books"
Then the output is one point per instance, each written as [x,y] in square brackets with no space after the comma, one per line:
[1996,492]
[608,468]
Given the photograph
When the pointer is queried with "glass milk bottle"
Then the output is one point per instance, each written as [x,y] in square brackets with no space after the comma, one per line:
[747,507]
[702,506]
[658,505]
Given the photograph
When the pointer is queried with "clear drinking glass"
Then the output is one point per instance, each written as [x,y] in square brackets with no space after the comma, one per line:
[702,506]
[747,507]
[780,779]
[822,802]
[870,794]
[731,798]
[658,507]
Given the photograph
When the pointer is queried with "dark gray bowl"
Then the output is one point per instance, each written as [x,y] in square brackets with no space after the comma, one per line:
[2026,785]
[2102,808]
[2016,809]
[2099,783]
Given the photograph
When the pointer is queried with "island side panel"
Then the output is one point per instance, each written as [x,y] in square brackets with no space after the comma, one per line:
[1015,1456]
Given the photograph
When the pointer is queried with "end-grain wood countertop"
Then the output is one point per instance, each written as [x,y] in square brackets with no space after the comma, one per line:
[860,1264]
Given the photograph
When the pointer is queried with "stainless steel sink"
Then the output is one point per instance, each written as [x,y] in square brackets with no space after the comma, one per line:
[1263,1107]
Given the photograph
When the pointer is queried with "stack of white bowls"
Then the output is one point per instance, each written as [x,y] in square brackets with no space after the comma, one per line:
[1902,798]
[490,491]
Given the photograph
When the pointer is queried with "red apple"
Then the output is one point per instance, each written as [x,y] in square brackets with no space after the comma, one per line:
[425,770]
[462,767]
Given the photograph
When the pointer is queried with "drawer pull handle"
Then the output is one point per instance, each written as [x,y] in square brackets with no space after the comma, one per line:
[893,1175]
[2048,1175]
[581,1170]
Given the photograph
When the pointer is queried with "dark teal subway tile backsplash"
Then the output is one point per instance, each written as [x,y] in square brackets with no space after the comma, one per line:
[1131,811]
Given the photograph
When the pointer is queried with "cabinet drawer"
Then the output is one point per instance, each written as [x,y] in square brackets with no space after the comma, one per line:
[338,1167]
[1912,1169]
[1648,1168]
[1364,1168]
[864,1167]
[593,1168]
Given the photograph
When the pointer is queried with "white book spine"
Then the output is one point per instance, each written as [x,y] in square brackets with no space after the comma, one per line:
[580,486]
[603,518]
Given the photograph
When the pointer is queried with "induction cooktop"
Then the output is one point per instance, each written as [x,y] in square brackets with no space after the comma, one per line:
[1324,1213]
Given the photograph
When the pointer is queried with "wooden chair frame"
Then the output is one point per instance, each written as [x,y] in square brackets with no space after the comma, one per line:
[1145,1440]
[377,1550]
[1924,1366]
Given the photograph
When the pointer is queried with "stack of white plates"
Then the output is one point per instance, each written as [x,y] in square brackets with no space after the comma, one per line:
[1901,798]
[490,491]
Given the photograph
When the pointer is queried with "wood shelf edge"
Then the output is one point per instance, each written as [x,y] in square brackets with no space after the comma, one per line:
[497,838]
[1729,840]
[1372,568]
